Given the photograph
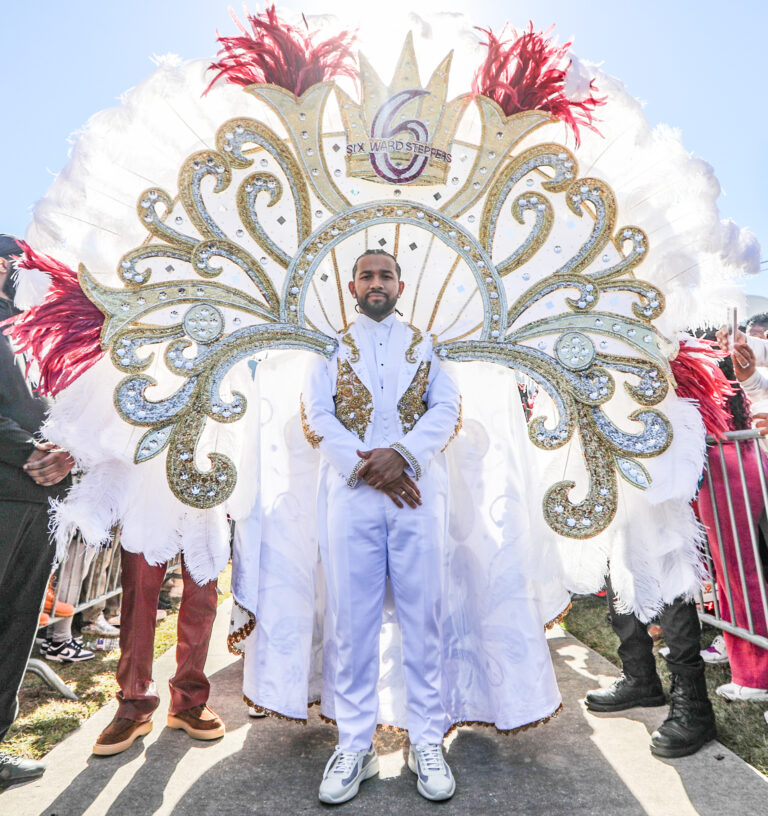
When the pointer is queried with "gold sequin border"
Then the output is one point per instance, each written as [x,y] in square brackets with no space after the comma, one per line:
[241,633]
[394,728]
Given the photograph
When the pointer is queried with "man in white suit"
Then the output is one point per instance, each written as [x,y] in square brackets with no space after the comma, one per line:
[381,411]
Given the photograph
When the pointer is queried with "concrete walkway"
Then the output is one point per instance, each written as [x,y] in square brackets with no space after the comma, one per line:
[578,763]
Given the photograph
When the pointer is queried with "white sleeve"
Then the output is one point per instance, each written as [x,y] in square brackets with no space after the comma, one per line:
[756,387]
[760,348]
[437,426]
[322,428]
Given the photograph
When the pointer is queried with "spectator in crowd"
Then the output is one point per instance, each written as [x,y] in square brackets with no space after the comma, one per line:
[31,473]
[758,326]
[60,646]
[732,516]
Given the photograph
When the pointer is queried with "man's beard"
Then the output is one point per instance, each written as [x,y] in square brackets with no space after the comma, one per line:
[379,308]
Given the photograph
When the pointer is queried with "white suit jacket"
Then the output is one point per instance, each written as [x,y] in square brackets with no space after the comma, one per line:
[338,407]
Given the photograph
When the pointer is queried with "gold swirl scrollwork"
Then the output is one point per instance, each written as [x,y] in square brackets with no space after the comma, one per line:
[231,138]
[564,167]
[597,509]
[155,224]
[201,489]
[600,196]
[193,171]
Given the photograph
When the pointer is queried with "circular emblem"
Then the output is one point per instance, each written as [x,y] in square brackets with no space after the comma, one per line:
[204,323]
[575,350]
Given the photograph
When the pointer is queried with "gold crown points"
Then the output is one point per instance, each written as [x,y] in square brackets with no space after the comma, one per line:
[401,133]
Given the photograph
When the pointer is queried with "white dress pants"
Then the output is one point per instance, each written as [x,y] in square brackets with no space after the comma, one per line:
[369,537]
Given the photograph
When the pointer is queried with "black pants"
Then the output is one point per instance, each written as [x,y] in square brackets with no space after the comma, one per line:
[682,633]
[26,558]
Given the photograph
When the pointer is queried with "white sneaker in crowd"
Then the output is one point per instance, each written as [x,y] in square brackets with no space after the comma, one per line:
[344,773]
[99,626]
[735,692]
[716,653]
[68,651]
[435,780]
[256,713]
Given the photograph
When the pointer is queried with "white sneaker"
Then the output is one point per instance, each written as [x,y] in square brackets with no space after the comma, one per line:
[99,626]
[256,713]
[68,651]
[716,653]
[735,692]
[344,773]
[435,780]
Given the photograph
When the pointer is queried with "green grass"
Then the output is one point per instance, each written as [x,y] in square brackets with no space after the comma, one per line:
[741,726]
[45,718]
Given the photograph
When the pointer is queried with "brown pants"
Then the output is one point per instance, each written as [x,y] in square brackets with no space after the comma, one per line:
[189,686]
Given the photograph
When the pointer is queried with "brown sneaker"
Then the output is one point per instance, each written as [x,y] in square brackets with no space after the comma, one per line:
[119,735]
[199,722]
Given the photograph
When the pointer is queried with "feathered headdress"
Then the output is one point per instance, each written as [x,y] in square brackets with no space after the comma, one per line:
[528,72]
[279,53]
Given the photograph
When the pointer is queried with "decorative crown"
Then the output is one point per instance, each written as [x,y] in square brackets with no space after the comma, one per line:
[401,133]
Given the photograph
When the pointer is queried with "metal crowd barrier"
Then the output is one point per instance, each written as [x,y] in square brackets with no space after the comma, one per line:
[727,542]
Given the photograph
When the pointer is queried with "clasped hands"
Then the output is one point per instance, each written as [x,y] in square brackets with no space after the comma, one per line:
[743,368]
[384,470]
[48,465]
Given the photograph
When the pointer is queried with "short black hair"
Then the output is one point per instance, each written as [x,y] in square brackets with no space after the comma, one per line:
[375,252]
[758,320]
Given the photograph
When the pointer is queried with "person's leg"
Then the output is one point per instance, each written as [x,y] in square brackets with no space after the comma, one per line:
[138,697]
[189,685]
[414,551]
[690,722]
[635,644]
[63,648]
[682,634]
[415,546]
[141,588]
[355,566]
[25,565]
[639,684]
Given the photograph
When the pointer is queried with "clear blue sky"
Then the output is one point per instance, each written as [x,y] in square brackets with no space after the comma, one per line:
[699,66]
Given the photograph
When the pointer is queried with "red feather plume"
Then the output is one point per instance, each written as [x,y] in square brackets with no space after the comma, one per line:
[527,73]
[61,334]
[279,53]
[700,378]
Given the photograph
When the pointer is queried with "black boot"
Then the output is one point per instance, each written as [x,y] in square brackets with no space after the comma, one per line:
[14,770]
[627,692]
[690,723]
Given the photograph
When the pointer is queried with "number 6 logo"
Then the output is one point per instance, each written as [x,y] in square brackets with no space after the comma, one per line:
[384,127]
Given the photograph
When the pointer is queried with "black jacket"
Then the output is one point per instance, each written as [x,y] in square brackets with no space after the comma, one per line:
[21,415]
